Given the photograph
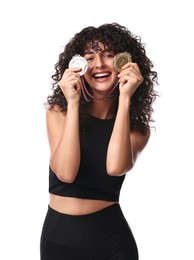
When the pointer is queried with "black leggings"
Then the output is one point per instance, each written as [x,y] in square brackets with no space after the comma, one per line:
[103,235]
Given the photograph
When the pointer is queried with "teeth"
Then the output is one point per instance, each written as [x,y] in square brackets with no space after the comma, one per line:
[101,75]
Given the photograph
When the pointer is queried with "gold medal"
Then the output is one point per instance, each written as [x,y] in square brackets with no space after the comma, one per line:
[121,59]
[78,61]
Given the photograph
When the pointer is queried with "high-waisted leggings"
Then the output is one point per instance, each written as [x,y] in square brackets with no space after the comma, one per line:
[103,235]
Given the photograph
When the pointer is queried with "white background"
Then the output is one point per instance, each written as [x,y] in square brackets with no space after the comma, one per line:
[157,196]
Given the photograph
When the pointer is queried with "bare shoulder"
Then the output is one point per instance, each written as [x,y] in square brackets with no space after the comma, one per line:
[55,123]
[54,118]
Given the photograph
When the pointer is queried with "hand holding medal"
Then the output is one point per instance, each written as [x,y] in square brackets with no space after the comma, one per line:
[130,76]
[79,62]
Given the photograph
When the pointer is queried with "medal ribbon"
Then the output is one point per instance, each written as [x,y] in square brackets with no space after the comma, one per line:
[88,97]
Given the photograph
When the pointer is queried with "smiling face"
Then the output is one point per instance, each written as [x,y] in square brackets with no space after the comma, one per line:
[101,75]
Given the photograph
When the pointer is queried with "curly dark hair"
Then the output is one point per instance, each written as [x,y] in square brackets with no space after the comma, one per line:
[118,39]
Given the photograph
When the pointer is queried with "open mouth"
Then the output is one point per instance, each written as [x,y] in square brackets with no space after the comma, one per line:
[101,75]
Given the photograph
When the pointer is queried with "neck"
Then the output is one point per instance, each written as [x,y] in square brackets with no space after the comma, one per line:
[103,108]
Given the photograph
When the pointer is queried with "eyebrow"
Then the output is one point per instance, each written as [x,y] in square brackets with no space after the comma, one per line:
[93,52]
[89,52]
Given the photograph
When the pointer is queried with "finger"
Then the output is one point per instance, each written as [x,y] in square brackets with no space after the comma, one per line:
[130,72]
[76,69]
[68,76]
[132,80]
[124,80]
[131,65]
[70,72]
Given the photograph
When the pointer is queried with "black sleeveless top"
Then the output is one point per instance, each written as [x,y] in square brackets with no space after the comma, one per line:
[92,180]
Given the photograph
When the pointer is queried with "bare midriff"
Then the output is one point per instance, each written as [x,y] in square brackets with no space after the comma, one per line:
[76,206]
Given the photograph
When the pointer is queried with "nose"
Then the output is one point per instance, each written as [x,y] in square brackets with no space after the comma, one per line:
[99,61]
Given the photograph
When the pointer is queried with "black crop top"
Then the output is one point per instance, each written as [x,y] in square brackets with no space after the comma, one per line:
[92,180]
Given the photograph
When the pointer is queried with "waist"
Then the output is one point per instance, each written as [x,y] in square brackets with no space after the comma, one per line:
[77,206]
[86,231]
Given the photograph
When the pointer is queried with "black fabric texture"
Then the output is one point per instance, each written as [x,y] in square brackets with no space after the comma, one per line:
[92,180]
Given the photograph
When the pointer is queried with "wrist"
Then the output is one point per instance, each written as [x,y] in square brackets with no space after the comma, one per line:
[124,99]
[74,106]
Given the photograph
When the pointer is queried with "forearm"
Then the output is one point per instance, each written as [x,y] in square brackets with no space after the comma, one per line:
[66,159]
[119,154]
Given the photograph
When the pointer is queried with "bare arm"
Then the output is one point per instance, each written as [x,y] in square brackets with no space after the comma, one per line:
[125,145]
[63,130]
[63,136]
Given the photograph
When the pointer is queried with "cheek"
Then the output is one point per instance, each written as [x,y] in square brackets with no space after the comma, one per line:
[115,75]
[110,63]
[88,71]
[87,76]
[90,65]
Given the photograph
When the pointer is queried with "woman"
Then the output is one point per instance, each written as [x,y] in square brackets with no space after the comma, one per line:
[98,122]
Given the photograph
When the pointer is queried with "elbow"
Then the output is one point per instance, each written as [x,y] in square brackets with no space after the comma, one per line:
[64,175]
[119,171]
[115,173]
[65,178]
